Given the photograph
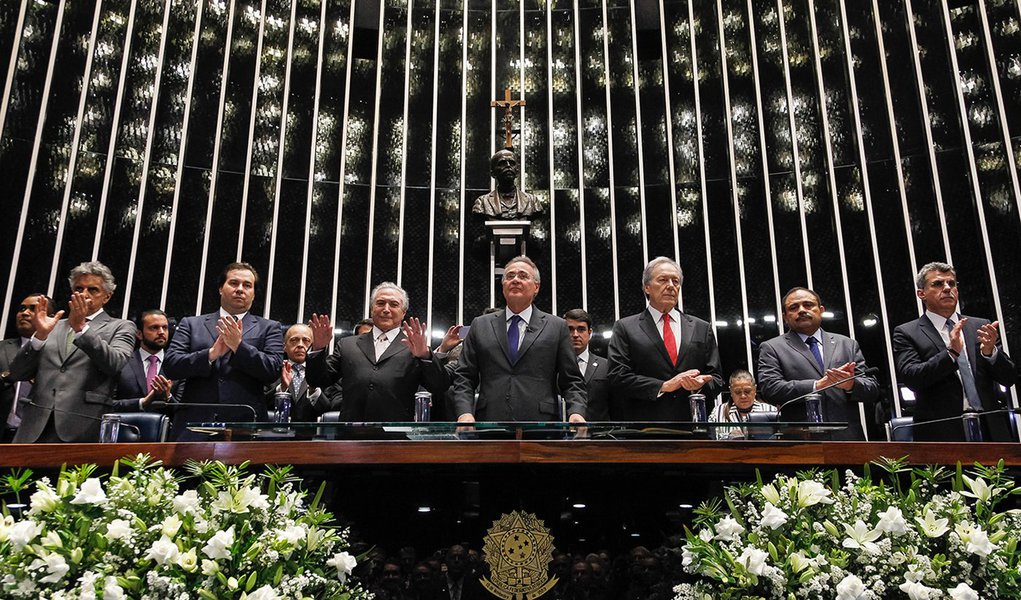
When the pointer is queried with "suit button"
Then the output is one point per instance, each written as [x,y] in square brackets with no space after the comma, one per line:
[375,367]
[370,385]
[221,380]
[63,369]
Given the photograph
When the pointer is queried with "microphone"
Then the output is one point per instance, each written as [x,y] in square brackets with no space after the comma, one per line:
[78,414]
[985,413]
[175,406]
[864,372]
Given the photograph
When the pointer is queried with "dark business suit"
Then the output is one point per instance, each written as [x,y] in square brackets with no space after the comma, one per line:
[8,350]
[79,380]
[234,378]
[925,366]
[131,386]
[639,364]
[597,383]
[376,390]
[527,389]
[303,410]
[787,369]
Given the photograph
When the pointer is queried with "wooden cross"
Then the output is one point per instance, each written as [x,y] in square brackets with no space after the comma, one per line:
[508,115]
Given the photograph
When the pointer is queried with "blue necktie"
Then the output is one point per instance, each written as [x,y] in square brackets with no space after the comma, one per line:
[967,377]
[513,337]
[813,345]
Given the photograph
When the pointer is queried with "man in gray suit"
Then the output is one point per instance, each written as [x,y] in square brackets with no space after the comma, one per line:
[807,358]
[518,359]
[75,361]
[12,391]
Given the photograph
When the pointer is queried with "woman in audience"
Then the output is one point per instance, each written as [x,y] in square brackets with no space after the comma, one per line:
[742,402]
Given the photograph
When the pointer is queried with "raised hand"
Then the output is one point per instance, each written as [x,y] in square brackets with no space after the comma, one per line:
[322,331]
[988,336]
[80,307]
[230,332]
[415,338]
[42,322]
[452,339]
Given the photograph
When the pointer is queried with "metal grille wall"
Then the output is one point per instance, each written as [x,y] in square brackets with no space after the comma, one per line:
[338,143]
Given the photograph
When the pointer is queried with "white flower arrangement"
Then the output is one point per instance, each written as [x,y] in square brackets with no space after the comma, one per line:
[920,534]
[139,536]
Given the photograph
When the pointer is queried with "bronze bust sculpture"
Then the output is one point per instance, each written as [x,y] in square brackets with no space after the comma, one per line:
[506,201]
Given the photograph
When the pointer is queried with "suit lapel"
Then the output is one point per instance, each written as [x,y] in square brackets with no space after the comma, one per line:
[138,368]
[649,327]
[210,322]
[687,332]
[365,344]
[590,367]
[535,326]
[829,350]
[970,333]
[930,331]
[794,341]
[499,324]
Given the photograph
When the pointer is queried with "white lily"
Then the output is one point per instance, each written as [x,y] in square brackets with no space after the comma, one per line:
[770,494]
[931,526]
[917,591]
[860,536]
[980,490]
[728,529]
[91,492]
[850,588]
[344,563]
[753,559]
[772,516]
[811,492]
[892,521]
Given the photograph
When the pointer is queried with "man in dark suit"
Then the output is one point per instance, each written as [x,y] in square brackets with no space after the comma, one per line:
[594,368]
[12,391]
[307,401]
[660,356]
[75,361]
[952,362]
[225,357]
[518,358]
[808,358]
[142,380]
[379,371]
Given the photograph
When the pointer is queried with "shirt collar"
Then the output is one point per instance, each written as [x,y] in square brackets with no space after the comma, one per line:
[145,354]
[376,332]
[817,334]
[939,321]
[584,356]
[240,316]
[657,316]
[94,315]
[526,315]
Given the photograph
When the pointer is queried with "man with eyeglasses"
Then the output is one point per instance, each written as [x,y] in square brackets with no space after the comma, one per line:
[952,362]
[518,358]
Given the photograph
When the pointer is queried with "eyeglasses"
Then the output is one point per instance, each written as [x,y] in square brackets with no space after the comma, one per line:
[520,275]
[941,283]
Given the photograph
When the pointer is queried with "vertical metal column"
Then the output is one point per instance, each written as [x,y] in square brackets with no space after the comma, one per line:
[251,128]
[432,173]
[549,150]
[146,158]
[638,132]
[214,171]
[464,126]
[75,138]
[701,169]
[669,114]
[580,128]
[374,160]
[343,163]
[732,169]
[404,144]
[609,159]
[281,140]
[180,154]
[12,67]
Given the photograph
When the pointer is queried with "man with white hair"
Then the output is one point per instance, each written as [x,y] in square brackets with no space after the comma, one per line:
[379,371]
[75,362]
[660,356]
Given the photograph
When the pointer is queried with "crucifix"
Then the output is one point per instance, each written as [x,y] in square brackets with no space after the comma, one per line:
[508,114]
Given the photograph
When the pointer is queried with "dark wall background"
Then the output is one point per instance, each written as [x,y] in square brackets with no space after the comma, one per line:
[336,144]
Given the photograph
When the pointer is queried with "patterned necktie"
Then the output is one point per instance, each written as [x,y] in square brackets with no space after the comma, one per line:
[297,378]
[967,377]
[381,345]
[813,345]
[513,338]
[668,339]
[150,372]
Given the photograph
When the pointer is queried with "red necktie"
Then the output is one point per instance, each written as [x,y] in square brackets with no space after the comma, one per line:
[668,339]
[151,372]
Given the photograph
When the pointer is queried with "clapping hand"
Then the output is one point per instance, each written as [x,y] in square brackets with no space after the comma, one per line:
[988,336]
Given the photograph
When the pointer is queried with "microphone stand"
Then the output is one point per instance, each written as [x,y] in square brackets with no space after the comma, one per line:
[867,371]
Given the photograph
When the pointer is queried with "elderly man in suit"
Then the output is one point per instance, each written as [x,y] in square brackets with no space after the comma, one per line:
[660,356]
[952,362]
[75,361]
[807,358]
[593,367]
[307,401]
[379,371]
[141,380]
[225,357]
[11,392]
[518,358]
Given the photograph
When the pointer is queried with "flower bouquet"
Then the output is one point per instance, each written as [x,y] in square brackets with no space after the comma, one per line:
[210,532]
[923,534]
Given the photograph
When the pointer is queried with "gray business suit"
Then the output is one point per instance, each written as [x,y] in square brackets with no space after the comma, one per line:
[526,390]
[787,370]
[80,380]
[597,383]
